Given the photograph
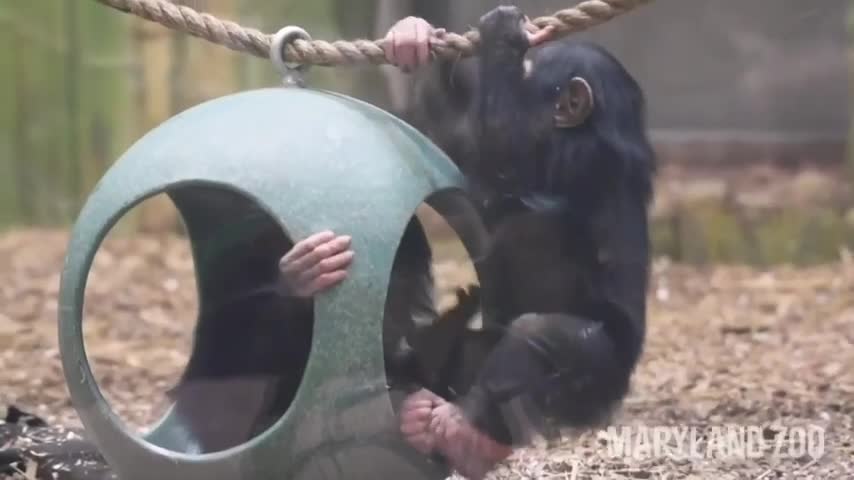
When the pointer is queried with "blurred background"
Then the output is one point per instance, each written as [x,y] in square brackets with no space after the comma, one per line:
[751,303]
[748,105]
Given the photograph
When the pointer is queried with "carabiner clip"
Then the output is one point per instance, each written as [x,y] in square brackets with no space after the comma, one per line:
[292,73]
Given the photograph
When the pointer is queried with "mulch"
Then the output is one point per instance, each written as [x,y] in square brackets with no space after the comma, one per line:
[727,345]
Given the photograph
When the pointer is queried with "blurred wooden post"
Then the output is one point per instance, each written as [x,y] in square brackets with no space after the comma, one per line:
[179,71]
[153,49]
[205,71]
[357,19]
[106,110]
[40,122]
[71,70]
[9,155]
[850,23]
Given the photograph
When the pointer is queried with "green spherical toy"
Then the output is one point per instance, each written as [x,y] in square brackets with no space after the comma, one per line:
[309,160]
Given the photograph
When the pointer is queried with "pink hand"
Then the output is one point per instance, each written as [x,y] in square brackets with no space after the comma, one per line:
[407,43]
[315,264]
[415,416]
[469,451]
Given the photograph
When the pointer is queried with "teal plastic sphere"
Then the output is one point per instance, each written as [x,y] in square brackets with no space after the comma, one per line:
[310,160]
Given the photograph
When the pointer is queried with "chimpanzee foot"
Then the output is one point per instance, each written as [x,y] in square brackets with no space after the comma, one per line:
[415,417]
[469,451]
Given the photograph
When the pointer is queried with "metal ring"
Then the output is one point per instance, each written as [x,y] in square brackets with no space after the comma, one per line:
[277,50]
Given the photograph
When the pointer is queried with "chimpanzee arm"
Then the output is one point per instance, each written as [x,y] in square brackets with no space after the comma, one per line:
[501,121]
[439,106]
[575,323]
[571,367]
[442,90]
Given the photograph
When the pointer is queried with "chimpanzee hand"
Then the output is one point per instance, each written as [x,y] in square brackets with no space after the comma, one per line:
[431,424]
[315,264]
[469,451]
[416,414]
[508,27]
[407,44]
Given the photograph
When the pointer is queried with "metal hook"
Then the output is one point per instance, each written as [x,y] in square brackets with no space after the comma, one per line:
[292,73]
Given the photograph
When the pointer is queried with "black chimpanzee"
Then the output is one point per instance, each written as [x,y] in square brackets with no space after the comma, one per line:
[556,153]
[562,170]
[254,333]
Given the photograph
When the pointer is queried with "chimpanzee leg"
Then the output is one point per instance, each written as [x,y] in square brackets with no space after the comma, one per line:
[547,367]
[245,367]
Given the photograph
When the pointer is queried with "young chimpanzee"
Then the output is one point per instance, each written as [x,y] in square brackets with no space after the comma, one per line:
[562,171]
[254,333]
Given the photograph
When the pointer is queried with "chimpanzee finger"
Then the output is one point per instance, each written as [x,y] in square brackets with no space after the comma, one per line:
[339,261]
[419,406]
[388,47]
[302,265]
[336,262]
[422,43]
[440,421]
[424,395]
[415,421]
[407,43]
[325,282]
[416,410]
[539,37]
[306,245]
[528,25]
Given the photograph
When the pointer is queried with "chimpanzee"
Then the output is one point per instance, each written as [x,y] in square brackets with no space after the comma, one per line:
[562,170]
[556,154]
[254,332]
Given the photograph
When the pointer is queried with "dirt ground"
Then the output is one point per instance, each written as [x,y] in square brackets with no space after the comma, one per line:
[770,351]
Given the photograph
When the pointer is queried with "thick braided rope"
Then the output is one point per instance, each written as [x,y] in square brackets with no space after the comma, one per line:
[586,14]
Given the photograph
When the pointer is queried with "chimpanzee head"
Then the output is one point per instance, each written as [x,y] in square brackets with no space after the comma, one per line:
[585,84]
[596,115]
[570,122]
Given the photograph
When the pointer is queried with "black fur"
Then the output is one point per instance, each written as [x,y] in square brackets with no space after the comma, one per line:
[568,268]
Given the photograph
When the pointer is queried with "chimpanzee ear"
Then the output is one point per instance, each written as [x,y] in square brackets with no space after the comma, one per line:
[574,105]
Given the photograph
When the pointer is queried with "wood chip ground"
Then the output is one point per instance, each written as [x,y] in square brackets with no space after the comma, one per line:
[769,349]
